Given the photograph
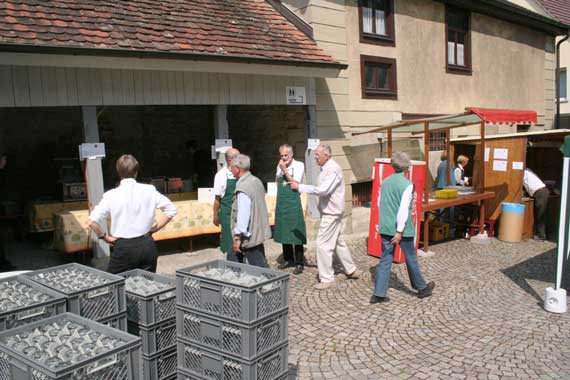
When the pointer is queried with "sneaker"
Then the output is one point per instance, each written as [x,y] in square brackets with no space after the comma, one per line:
[284,264]
[354,275]
[325,285]
[427,291]
[375,299]
[298,269]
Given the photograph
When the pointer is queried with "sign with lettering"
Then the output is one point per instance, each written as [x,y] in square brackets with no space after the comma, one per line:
[296,95]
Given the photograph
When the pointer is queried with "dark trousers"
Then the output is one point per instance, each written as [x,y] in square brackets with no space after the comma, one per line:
[135,253]
[293,253]
[255,256]
[540,207]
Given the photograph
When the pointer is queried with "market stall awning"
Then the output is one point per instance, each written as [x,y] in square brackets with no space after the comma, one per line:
[493,116]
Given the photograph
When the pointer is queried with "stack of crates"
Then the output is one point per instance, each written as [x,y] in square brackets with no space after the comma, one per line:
[89,292]
[232,322]
[68,347]
[151,303]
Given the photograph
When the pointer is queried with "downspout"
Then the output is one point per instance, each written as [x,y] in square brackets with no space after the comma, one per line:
[557,80]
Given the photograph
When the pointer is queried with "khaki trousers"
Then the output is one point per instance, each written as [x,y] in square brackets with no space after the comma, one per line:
[329,239]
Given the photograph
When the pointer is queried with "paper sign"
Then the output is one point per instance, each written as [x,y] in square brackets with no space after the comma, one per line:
[517,165]
[91,151]
[296,95]
[222,145]
[272,189]
[500,154]
[499,165]
[206,195]
[312,144]
[487,151]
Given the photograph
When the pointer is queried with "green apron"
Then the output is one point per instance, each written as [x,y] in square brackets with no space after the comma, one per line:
[289,221]
[226,241]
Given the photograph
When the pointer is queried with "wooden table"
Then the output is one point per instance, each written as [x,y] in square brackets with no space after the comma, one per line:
[461,199]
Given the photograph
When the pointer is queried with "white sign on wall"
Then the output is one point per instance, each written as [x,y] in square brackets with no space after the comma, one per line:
[91,151]
[296,95]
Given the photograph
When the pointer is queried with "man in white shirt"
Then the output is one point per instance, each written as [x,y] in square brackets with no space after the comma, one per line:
[224,188]
[331,207]
[290,228]
[538,190]
[131,207]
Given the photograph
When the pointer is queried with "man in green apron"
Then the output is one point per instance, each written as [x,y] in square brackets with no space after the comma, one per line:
[289,217]
[224,188]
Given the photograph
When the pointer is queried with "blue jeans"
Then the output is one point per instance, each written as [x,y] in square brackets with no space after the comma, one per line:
[384,266]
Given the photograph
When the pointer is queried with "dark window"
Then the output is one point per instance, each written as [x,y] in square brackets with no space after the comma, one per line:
[562,95]
[378,77]
[458,42]
[376,21]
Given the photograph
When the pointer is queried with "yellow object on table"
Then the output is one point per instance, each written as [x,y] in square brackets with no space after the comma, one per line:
[193,218]
[446,193]
[41,214]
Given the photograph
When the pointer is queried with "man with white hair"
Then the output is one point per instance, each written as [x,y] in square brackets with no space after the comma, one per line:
[224,187]
[249,218]
[330,191]
[397,227]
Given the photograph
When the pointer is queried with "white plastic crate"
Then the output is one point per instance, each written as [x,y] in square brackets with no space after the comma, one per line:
[23,301]
[246,341]
[228,298]
[209,364]
[160,366]
[149,308]
[118,321]
[90,293]
[156,338]
[68,347]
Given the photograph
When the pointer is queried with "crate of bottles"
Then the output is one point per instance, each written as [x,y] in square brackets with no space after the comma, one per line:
[246,341]
[151,298]
[23,301]
[156,338]
[68,347]
[208,364]
[238,292]
[118,321]
[160,366]
[90,293]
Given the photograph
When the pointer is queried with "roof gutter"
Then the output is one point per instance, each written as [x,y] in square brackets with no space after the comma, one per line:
[557,80]
[123,53]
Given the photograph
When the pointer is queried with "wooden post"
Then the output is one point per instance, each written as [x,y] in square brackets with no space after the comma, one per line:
[94,176]
[449,159]
[482,179]
[426,159]
[390,143]
[311,167]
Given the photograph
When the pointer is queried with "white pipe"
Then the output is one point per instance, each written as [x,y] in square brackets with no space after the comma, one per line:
[562,244]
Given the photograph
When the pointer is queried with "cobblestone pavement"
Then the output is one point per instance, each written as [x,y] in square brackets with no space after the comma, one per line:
[484,321]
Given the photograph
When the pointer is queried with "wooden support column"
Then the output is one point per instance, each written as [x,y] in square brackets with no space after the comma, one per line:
[390,143]
[482,179]
[94,176]
[426,159]
[221,130]
[450,164]
[311,167]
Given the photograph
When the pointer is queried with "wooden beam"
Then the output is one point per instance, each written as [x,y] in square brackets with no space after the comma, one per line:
[449,159]
[482,179]
[389,143]
[450,127]
[426,159]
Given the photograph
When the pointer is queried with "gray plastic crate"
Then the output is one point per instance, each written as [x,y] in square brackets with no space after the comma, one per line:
[156,338]
[101,296]
[247,304]
[40,303]
[121,362]
[209,364]
[118,321]
[246,341]
[154,308]
[160,366]
[183,375]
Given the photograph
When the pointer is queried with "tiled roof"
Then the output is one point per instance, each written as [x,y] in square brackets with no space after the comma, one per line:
[248,29]
[559,9]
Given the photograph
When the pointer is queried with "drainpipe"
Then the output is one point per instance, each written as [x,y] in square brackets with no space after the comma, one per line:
[557,81]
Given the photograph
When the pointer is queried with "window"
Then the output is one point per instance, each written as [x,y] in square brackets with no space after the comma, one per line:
[562,83]
[437,140]
[458,41]
[378,77]
[376,21]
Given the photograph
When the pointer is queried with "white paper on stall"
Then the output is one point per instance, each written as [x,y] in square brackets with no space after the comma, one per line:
[517,165]
[501,154]
[272,189]
[206,194]
[312,144]
[487,154]
[499,165]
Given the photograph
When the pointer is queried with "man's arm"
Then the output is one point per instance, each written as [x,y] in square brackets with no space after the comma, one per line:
[219,190]
[168,209]
[242,223]
[326,185]
[403,212]
[102,234]
[217,203]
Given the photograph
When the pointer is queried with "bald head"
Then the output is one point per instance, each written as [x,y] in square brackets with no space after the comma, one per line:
[231,154]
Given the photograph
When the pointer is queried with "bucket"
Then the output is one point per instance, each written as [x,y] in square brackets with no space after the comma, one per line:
[512,221]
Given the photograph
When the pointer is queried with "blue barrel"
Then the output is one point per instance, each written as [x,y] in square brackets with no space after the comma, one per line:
[515,208]
[511,222]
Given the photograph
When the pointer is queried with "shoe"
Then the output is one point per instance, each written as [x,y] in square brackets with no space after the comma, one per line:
[354,275]
[325,285]
[284,264]
[427,291]
[298,269]
[539,237]
[375,299]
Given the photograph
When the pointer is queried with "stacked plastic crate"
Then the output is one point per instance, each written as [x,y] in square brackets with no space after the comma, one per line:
[151,302]
[90,293]
[232,322]
[68,347]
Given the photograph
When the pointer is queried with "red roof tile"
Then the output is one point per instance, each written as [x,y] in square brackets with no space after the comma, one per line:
[222,28]
[559,9]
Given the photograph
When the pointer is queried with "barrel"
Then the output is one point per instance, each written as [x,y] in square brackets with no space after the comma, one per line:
[512,221]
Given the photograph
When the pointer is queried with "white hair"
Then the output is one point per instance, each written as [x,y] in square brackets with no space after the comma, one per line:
[326,148]
[241,161]
[400,161]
